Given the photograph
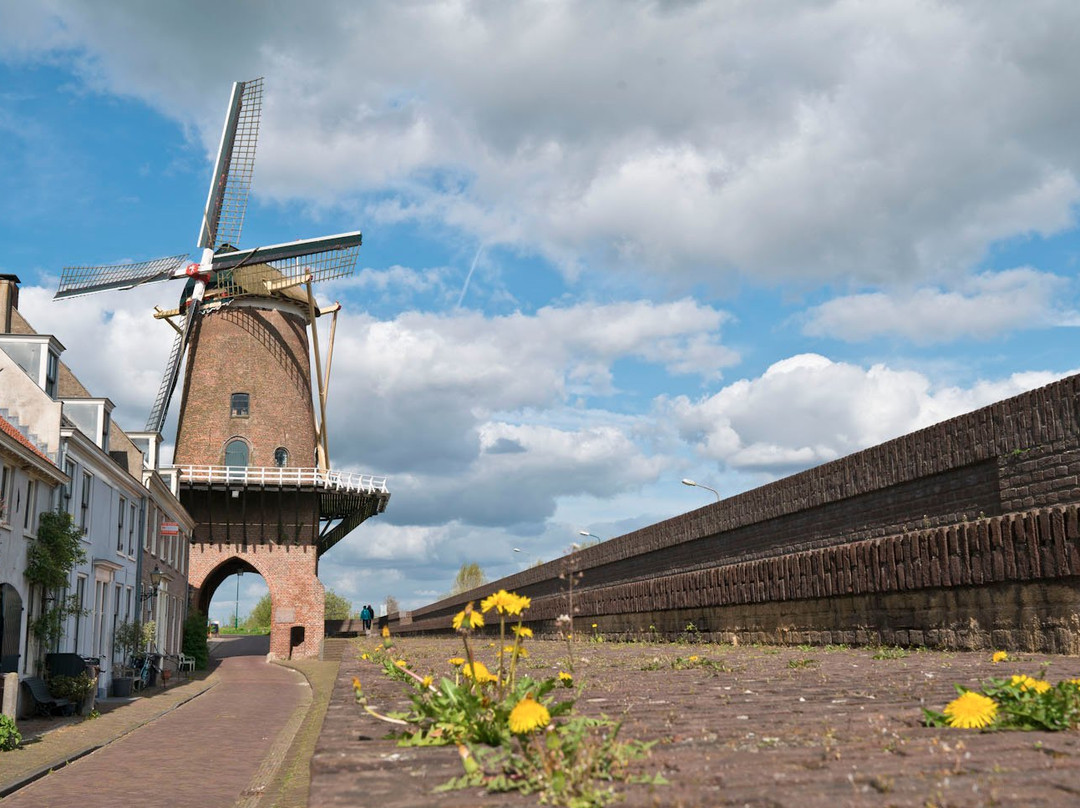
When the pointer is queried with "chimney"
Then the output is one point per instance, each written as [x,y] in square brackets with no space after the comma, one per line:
[9,300]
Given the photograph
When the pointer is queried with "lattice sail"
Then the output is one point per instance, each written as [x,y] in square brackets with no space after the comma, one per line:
[268,269]
[82,280]
[226,203]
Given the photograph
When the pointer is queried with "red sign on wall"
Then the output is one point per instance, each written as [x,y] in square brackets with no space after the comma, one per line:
[170,529]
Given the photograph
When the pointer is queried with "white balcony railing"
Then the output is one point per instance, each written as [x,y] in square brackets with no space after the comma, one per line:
[258,475]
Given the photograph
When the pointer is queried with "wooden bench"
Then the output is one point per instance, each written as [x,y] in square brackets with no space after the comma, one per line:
[44,703]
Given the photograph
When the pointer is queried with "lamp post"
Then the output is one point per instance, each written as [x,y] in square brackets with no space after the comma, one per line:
[699,485]
[236,604]
[155,582]
[588,534]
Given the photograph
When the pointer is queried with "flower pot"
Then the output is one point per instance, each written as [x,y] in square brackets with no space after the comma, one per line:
[121,686]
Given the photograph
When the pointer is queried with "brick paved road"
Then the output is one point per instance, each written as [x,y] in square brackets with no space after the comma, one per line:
[206,753]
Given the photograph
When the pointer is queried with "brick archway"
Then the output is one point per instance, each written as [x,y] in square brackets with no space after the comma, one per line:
[297,596]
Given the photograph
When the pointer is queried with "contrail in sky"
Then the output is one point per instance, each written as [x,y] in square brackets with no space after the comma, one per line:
[472,269]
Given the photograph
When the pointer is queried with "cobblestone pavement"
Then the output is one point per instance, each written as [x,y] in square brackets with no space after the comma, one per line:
[806,727]
[213,750]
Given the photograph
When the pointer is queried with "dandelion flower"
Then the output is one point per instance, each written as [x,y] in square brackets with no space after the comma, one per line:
[692,659]
[365,656]
[566,678]
[356,685]
[521,651]
[401,663]
[528,715]
[427,681]
[1074,682]
[385,631]
[522,631]
[594,625]
[1027,683]
[999,656]
[456,661]
[481,672]
[468,618]
[971,711]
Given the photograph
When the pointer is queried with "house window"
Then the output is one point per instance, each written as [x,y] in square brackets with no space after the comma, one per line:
[80,600]
[6,476]
[131,531]
[120,525]
[236,453]
[240,405]
[281,457]
[69,470]
[84,505]
[52,373]
[31,505]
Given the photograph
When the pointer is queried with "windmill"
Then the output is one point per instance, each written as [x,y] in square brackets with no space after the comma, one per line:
[247,433]
[225,273]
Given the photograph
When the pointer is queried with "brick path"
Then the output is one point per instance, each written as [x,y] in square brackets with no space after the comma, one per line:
[216,750]
[765,727]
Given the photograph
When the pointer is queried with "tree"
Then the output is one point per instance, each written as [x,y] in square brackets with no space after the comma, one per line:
[195,638]
[391,604]
[50,558]
[468,577]
[259,619]
[337,608]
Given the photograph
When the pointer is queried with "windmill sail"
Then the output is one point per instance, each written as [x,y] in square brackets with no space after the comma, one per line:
[223,217]
[263,269]
[172,372]
[83,280]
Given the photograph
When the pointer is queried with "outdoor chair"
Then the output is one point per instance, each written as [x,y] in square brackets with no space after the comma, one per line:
[186,663]
[44,703]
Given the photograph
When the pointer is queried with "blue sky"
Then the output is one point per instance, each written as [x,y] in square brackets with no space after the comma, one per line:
[606,245]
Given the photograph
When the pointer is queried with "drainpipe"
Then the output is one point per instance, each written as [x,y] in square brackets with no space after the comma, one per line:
[139,559]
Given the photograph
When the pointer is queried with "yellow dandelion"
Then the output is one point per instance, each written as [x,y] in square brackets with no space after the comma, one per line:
[356,685]
[520,604]
[468,618]
[1027,683]
[971,711]
[565,677]
[456,661]
[427,680]
[999,656]
[401,663]
[385,631]
[594,625]
[499,601]
[521,651]
[479,669]
[1074,682]
[527,716]
[692,659]
[365,656]
[522,631]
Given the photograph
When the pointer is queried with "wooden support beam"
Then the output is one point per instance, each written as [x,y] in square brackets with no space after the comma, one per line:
[165,314]
[279,284]
[322,450]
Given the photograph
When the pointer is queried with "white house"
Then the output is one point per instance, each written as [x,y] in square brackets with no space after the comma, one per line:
[111,486]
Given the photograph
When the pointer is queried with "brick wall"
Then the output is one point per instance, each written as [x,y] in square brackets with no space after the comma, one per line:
[261,352]
[874,537]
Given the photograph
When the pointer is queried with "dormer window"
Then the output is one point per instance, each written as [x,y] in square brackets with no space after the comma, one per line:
[52,374]
[240,405]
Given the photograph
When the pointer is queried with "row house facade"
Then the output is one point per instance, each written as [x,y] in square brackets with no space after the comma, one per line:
[124,505]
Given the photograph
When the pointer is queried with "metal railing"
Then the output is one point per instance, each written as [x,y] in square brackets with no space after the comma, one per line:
[260,475]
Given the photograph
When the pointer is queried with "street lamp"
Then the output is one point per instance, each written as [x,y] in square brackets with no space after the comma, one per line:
[699,485]
[588,534]
[155,582]
[236,607]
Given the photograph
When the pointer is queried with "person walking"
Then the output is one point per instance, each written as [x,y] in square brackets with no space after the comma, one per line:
[366,616]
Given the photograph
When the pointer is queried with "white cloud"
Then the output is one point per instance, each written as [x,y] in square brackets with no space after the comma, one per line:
[785,141]
[807,410]
[983,306]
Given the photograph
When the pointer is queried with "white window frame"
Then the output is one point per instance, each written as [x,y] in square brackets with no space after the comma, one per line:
[86,501]
[121,513]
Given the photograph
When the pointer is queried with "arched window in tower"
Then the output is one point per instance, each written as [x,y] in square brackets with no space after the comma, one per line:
[239,405]
[281,457]
[236,453]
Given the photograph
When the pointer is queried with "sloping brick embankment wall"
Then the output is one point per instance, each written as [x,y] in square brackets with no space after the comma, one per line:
[963,534]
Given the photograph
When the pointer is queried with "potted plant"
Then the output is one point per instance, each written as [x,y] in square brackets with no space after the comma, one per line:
[128,640]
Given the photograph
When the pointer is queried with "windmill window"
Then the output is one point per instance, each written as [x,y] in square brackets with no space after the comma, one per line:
[240,405]
[281,457]
[236,453]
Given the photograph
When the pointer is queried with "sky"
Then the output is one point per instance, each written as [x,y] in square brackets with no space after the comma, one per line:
[607,245]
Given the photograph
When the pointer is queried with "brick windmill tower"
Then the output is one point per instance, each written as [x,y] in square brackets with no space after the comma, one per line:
[251,444]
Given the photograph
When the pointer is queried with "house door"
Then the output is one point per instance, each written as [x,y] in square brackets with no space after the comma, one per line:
[10,628]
